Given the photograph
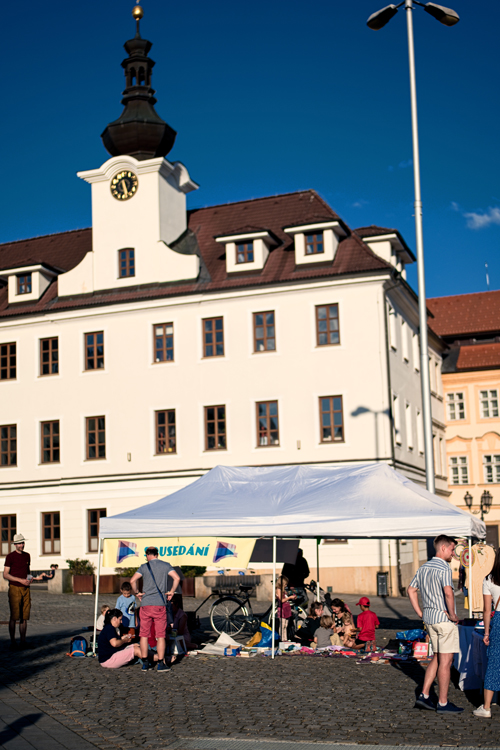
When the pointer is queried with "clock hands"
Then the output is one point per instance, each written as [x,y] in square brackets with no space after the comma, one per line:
[124,187]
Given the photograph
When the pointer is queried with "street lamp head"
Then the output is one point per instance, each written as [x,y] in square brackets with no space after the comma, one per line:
[486,501]
[379,19]
[447,16]
[468,500]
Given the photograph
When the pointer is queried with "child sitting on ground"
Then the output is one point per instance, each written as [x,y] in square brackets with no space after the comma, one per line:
[324,632]
[126,604]
[349,631]
[100,619]
[367,622]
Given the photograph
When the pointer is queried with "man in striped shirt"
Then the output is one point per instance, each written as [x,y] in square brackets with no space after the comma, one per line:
[434,582]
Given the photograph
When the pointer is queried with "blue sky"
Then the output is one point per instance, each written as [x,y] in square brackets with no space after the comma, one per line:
[268,97]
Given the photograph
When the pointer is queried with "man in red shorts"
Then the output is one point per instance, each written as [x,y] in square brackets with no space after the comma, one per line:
[154,599]
[16,572]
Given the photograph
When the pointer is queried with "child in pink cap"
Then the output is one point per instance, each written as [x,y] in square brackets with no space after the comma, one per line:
[367,621]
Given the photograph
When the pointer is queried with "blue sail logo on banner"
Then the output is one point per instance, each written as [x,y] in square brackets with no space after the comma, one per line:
[126,549]
[223,550]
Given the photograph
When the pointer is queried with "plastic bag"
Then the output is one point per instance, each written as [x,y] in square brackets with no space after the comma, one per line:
[266,640]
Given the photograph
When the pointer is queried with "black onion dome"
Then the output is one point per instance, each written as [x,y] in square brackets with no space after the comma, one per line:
[139,131]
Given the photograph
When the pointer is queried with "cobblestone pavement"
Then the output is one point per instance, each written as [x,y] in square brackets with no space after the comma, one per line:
[293,699]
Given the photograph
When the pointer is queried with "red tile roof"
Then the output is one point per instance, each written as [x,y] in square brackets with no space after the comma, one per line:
[479,357]
[373,231]
[274,213]
[466,314]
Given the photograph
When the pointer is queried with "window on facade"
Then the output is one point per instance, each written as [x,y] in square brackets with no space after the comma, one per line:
[491,465]
[267,424]
[416,352]
[420,432]
[94,351]
[244,252]
[327,325]
[408,427]
[49,356]
[50,443]
[213,337]
[459,470]
[8,368]
[215,428]
[264,332]
[456,406]
[396,416]
[96,438]
[392,328]
[165,432]
[489,403]
[331,419]
[8,445]
[93,519]
[314,243]
[126,262]
[404,340]
[51,534]
[24,284]
[164,342]
[9,529]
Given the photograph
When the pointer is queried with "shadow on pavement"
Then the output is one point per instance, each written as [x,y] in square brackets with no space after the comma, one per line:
[13,730]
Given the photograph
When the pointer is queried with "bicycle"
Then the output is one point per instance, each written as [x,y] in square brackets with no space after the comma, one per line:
[231,613]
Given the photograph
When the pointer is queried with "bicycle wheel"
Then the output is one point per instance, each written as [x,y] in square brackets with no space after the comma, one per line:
[228,615]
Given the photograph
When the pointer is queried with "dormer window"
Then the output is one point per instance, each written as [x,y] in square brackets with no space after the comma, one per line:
[126,262]
[247,250]
[24,284]
[314,243]
[244,252]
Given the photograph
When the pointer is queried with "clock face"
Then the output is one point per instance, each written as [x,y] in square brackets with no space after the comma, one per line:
[124,185]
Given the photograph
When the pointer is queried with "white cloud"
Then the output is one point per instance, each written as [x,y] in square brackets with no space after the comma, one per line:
[484,219]
[360,203]
[404,164]
[454,206]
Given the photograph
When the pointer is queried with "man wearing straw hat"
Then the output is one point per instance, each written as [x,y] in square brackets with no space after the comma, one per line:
[17,573]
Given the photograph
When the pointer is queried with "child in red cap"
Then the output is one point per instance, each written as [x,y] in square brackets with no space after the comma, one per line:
[367,622]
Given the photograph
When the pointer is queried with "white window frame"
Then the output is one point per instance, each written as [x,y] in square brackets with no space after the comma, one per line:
[452,403]
[404,341]
[396,415]
[416,351]
[488,401]
[459,470]
[491,466]
[409,427]
[420,432]
[392,328]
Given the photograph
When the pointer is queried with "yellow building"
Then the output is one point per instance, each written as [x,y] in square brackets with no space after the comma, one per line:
[470,325]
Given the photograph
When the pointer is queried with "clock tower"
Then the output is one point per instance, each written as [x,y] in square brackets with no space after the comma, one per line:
[138,196]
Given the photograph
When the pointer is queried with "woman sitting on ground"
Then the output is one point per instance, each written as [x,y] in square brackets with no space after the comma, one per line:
[114,650]
[305,634]
[339,609]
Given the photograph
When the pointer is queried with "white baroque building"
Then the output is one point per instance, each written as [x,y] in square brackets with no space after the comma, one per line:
[138,354]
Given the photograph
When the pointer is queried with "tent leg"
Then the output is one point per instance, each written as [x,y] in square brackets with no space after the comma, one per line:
[318,540]
[470,578]
[274,600]
[97,595]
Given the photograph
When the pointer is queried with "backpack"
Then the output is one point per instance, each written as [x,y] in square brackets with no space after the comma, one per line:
[78,647]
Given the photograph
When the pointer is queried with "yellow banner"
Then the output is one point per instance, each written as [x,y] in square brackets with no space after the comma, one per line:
[225,552]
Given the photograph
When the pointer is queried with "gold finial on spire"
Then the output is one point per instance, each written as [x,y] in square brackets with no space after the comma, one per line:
[137,12]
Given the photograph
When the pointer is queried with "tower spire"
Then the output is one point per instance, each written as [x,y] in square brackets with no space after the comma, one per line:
[139,131]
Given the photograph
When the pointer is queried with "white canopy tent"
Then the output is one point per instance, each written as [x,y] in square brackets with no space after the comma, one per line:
[360,501]
[355,501]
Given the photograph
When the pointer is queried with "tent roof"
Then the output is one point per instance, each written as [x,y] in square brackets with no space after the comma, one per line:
[356,501]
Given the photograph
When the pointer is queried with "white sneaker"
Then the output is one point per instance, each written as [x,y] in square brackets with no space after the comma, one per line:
[482,712]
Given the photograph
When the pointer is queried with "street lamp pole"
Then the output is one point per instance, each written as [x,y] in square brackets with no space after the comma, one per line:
[422,307]
[376,21]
